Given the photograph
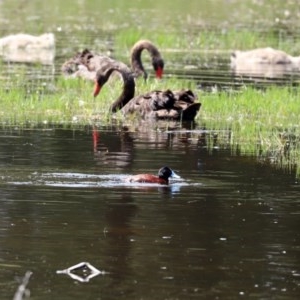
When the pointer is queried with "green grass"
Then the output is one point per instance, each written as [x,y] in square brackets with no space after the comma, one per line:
[201,25]
[207,39]
[259,122]
[264,123]
[70,101]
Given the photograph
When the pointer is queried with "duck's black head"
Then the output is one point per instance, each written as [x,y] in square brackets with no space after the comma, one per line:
[166,173]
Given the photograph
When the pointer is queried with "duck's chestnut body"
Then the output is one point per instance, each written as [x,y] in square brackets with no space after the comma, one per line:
[161,178]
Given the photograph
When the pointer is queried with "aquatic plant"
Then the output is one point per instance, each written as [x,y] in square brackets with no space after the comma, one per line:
[261,122]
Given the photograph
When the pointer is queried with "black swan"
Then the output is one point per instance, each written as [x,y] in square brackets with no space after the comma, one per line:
[177,105]
[85,64]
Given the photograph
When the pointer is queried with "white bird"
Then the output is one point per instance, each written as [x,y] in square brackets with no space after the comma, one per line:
[266,62]
[26,48]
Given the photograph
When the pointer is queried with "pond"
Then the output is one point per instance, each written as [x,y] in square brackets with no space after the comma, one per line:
[227,229]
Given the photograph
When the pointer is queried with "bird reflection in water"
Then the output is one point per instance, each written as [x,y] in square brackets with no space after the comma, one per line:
[105,153]
[120,234]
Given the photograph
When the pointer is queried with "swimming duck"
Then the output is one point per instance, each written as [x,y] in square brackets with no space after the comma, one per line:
[264,61]
[26,48]
[178,105]
[162,177]
[84,64]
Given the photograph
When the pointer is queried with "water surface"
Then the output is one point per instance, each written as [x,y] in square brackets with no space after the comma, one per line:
[227,229]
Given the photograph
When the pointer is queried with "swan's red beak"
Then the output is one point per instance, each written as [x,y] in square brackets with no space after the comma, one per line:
[159,72]
[97,89]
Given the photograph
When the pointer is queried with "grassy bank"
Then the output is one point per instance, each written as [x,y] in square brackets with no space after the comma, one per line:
[264,123]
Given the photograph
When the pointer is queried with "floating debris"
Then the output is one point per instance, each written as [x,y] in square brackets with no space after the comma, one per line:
[88,271]
[22,290]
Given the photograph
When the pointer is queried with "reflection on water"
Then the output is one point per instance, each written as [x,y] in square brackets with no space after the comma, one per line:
[228,228]
[77,180]
[88,272]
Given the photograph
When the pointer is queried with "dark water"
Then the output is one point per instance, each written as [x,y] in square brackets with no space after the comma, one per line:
[228,229]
